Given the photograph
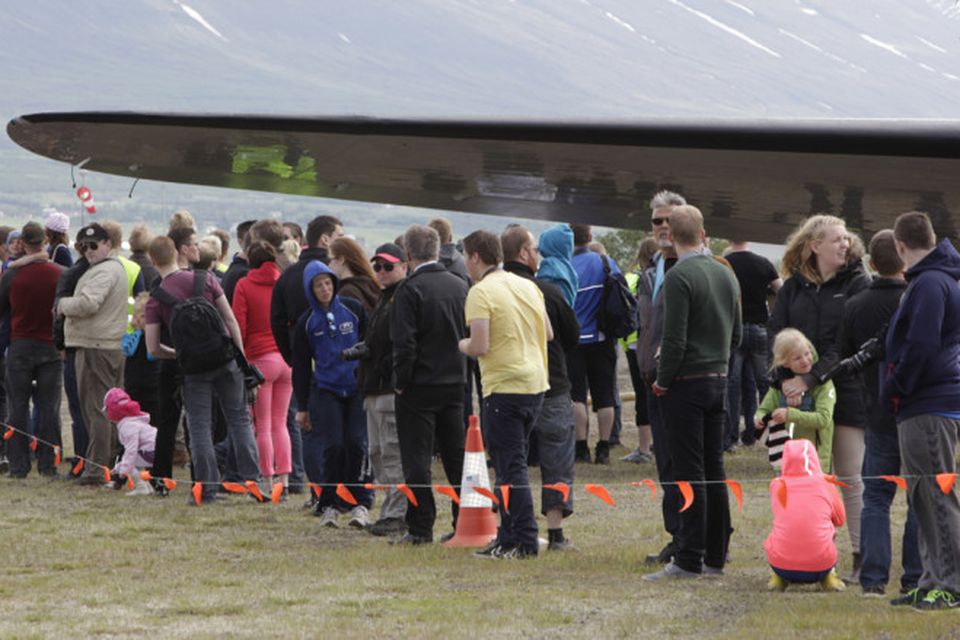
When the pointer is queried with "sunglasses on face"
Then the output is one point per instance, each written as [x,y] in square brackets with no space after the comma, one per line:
[382,266]
[90,246]
[659,221]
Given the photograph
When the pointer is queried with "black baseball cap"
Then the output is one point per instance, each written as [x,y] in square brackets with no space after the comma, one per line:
[389,252]
[93,232]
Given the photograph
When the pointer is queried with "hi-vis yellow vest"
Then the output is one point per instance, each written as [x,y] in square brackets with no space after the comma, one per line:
[633,281]
[133,270]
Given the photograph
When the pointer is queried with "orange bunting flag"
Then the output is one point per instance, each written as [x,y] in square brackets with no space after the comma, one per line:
[234,487]
[562,487]
[146,476]
[782,493]
[317,489]
[374,487]
[448,491]
[276,493]
[687,492]
[130,484]
[897,480]
[106,475]
[601,492]
[170,484]
[946,480]
[57,458]
[8,433]
[197,492]
[77,468]
[647,483]
[254,488]
[505,494]
[737,489]
[835,480]
[486,492]
[33,443]
[345,494]
[407,491]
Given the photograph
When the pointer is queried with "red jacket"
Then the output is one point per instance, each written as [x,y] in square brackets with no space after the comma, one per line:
[251,305]
[803,531]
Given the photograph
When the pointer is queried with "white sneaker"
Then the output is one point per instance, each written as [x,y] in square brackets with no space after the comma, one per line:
[329,518]
[141,488]
[359,517]
[672,572]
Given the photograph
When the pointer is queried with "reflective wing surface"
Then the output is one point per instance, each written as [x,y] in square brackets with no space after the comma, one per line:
[753,179]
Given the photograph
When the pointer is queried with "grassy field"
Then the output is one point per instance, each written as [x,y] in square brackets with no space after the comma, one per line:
[93,563]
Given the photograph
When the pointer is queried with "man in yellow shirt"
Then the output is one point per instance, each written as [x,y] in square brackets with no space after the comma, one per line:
[509,331]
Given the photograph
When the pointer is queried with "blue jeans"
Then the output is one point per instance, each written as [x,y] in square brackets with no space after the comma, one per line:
[556,434]
[29,361]
[198,398]
[510,418]
[77,427]
[882,457]
[802,577]
[337,445]
[752,350]
[670,505]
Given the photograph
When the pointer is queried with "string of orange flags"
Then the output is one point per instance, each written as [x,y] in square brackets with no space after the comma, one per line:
[946,482]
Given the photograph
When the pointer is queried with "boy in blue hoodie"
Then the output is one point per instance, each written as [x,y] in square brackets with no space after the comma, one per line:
[334,427]
[921,383]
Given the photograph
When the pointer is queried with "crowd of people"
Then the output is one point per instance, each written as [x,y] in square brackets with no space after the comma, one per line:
[303,361]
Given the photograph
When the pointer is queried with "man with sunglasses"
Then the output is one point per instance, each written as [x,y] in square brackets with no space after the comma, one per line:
[376,384]
[96,321]
[650,310]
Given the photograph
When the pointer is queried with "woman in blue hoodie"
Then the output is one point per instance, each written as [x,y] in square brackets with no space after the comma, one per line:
[335,427]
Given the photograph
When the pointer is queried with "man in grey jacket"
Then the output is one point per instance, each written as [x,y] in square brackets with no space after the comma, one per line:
[96,320]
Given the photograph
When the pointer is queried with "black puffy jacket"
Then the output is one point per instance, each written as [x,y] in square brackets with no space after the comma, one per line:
[817,311]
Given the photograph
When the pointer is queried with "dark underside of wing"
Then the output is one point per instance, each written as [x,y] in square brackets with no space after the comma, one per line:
[753,179]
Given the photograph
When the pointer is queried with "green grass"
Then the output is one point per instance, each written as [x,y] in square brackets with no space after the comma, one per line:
[93,563]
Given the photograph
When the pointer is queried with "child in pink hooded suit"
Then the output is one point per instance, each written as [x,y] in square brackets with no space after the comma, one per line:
[137,436]
[806,512]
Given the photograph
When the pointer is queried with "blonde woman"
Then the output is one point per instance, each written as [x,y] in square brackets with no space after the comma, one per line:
[823,268]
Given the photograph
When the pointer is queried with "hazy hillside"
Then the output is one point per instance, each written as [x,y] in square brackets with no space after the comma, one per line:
[565,59]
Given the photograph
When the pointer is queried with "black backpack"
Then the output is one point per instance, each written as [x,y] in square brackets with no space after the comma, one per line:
[197,329]
[618,307]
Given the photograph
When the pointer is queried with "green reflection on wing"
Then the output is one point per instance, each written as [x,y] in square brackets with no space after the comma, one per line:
[272,159]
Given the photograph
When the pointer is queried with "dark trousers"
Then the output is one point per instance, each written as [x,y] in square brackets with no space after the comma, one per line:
[170,405]
[29,361]
[882,457]
[670,505]
[77,427]
[693,412]
[742,389]
[510,418]
[428,415]
[337,445]
[296,478]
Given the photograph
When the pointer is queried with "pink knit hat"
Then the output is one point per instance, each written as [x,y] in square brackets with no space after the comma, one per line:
[118,405]
[58,222]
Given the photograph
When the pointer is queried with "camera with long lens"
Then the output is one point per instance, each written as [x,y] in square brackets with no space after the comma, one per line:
[252,376]
[868,353]
[358,351]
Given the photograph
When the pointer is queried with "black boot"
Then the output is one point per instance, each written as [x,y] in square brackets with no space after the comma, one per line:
[582,452]
[603,452]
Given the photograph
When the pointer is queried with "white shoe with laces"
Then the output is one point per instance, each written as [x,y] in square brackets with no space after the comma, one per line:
[329,518]
[359,517]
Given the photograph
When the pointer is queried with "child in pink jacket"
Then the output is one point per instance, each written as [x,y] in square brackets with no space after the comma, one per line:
[802,548]
[136,435]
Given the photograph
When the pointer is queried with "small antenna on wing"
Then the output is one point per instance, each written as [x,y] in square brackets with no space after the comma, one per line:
[134,186]
[79,165]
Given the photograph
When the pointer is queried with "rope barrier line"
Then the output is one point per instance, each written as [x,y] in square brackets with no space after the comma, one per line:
[946,482]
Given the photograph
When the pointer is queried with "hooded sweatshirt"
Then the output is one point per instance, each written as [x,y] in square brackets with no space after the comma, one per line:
[251,306]
[321,336]
[803,532]
[138,438]
[556,251]
[922,364]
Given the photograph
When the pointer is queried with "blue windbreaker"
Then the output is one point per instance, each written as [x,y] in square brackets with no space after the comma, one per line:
[589,266]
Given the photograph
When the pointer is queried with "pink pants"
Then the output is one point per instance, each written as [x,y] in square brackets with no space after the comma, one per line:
[270,414]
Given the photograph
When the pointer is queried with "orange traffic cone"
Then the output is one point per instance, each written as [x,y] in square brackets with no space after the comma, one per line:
[476,524]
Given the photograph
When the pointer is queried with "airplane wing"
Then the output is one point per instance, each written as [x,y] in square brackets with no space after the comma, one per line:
[752,179]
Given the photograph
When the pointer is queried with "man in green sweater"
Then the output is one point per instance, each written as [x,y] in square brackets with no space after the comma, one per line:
[701,325]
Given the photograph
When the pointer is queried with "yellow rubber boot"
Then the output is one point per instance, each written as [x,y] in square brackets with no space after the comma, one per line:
[832,582]
[776,583]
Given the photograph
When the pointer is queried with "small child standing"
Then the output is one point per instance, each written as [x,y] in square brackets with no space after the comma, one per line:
[794,355]
[137,436]
[807,510]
